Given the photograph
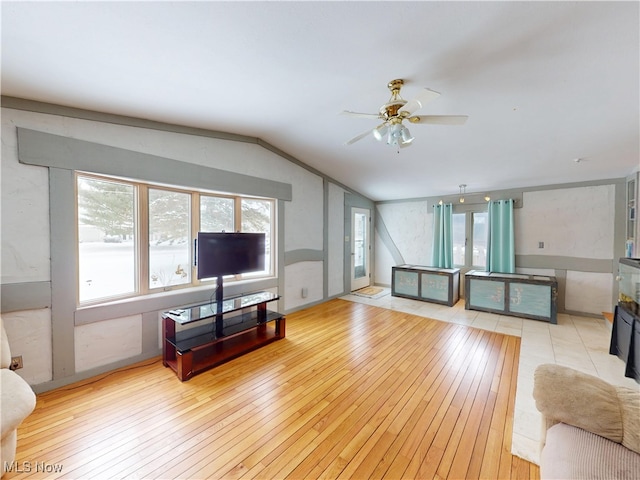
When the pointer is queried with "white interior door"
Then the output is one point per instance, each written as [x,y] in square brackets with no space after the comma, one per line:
[360,248]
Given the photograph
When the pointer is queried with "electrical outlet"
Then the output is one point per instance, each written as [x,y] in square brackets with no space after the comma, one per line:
[16,363]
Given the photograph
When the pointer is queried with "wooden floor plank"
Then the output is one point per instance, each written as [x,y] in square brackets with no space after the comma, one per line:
[505,456]
[430,451]
[464,450]
[362,463]
[353,391]
[457,434]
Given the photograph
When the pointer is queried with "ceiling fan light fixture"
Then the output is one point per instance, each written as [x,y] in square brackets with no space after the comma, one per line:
[406,135]
[380,131]
[395,132]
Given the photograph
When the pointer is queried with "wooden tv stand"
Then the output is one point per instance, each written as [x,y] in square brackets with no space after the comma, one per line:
[225,329]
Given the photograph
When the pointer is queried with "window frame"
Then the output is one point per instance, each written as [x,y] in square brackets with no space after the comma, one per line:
[142,236]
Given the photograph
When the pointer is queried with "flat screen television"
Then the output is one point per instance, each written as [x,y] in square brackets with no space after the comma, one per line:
[220,254]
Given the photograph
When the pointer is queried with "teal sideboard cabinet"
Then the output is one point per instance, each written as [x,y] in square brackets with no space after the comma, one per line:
[429,284]
[518,295]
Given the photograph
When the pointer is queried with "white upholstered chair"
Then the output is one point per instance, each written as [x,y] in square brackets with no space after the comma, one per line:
[17,402]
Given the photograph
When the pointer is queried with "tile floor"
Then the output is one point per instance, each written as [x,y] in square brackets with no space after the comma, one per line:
[578,342]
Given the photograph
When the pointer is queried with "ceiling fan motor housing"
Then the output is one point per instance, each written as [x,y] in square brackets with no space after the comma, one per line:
[389,110]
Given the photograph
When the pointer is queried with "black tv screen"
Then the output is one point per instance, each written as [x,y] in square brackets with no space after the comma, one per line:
[220,254]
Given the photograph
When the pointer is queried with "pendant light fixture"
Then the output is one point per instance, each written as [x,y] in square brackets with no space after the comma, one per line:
[476,198]
[463,188]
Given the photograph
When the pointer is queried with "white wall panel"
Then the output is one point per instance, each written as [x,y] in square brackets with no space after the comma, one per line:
[588,292]
[572,222]
[410,226]
[384,262]
[29,334]
[304,216]
[102,343]
[25,214]
[302,275]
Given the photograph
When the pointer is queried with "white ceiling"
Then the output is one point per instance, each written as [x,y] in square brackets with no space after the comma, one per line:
[543,83]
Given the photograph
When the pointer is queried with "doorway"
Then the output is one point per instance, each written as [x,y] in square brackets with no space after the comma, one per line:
[360,248]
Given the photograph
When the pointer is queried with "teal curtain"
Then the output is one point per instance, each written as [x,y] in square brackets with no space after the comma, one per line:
[442,256]
[501,255]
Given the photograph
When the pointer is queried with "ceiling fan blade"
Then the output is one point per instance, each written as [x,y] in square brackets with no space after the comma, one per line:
[359,137]
[364,115]
[440,119]
[425,95]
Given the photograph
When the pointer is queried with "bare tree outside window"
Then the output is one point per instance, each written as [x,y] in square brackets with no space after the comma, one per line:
[216,214]
[169,238]
[106,239]
[256,218]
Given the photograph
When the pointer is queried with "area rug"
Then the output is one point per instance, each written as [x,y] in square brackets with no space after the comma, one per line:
[371,292]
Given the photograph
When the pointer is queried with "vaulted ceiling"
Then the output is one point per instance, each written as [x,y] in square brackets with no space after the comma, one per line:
[544,83]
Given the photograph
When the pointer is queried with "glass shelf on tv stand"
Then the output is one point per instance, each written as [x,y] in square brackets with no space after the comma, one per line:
[197,313]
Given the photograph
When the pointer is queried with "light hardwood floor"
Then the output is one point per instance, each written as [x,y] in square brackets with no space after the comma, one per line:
[354,391]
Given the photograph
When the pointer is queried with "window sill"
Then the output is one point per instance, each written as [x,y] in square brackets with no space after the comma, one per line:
[157,302]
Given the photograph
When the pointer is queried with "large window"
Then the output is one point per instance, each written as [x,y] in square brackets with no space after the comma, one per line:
[470,238]
[135,238]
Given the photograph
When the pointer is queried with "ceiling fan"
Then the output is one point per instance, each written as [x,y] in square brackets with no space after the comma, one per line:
[396,110]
